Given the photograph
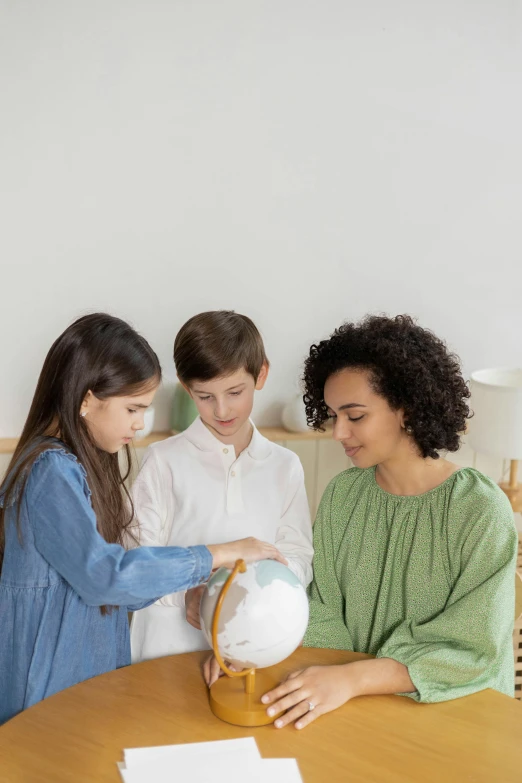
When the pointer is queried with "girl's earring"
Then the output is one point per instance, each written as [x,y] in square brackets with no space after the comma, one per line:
[409,430]
[83,413]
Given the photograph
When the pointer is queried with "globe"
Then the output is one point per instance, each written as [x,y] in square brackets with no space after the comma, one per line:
[263,617]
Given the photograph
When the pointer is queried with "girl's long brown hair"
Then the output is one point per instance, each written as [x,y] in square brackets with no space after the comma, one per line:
[104,355]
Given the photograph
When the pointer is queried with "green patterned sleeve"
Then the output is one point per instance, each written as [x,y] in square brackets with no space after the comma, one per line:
[467,647]
[326,627]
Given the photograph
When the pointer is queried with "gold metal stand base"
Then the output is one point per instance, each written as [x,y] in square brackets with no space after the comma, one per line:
[230,702]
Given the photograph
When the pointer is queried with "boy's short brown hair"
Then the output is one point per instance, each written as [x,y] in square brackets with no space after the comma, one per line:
[218,343]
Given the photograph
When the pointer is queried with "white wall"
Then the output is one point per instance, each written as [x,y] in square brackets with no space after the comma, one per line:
[303,162]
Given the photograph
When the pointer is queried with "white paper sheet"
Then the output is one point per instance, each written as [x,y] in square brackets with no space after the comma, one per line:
[134,756]
[222,761]
[281,771]
[218,767]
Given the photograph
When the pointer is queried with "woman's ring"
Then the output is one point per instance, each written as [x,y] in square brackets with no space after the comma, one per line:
[311,705]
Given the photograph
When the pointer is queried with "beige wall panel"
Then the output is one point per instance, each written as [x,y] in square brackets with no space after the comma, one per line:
[306,451]
[332,460]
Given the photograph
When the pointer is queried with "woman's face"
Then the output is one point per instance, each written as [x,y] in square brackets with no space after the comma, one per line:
[369,430]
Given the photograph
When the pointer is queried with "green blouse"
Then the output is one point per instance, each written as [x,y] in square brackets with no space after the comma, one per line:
[428,580]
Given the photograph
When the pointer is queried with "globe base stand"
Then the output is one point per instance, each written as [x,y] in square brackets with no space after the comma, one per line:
[231,702]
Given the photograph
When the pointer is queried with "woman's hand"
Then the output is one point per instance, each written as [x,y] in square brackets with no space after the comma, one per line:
[248,549]
[212,671]
[192,604]
[328,687]
[323,687]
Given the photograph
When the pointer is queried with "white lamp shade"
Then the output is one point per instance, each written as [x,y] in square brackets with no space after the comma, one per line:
[496,401]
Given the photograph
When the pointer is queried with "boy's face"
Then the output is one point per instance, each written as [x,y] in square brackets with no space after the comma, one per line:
[225,404]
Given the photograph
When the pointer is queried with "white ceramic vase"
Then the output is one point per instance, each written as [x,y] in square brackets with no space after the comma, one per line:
[294,416]
[148,418]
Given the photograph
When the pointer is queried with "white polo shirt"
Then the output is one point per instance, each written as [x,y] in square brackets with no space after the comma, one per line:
[191,490]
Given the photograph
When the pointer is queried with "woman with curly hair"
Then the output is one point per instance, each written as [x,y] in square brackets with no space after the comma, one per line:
[414,557]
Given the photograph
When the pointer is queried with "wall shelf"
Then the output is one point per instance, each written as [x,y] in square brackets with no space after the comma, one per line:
[275,434]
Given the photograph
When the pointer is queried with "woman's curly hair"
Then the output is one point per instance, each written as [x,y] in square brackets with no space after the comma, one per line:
[409,366]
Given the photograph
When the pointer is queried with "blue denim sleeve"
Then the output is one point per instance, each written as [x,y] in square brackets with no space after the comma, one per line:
[141,605]
[64,528]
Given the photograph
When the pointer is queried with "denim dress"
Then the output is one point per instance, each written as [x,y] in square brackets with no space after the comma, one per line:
[58,573]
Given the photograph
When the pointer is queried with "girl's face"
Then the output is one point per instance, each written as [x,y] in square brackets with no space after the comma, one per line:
[225,404]
[114,422]
[369,430]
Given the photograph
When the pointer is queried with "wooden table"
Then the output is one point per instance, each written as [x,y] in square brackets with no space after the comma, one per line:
[79,734]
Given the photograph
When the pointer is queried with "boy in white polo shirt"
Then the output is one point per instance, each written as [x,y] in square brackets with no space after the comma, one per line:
[218,480]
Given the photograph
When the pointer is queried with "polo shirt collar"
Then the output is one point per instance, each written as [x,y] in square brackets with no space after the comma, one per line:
[200,436]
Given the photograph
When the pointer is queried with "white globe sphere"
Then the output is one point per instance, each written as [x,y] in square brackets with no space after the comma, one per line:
[263,617]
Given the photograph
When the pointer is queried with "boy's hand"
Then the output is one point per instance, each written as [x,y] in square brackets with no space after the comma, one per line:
[192,603]
[212,671]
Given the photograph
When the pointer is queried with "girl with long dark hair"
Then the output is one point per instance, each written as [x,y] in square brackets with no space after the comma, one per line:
[66,582]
